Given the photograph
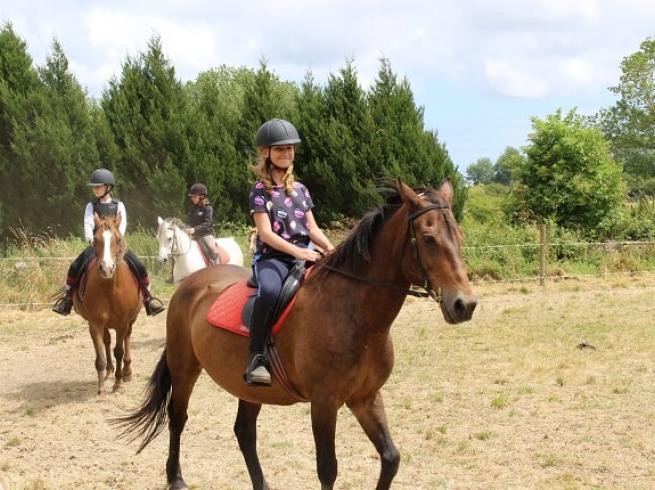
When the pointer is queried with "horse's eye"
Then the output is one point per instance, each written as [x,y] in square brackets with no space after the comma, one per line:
[429,239]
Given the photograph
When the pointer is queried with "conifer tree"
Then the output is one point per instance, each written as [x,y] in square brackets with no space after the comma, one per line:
[147,113]
[348,131]
[402,146]
[313,161]
[216,99]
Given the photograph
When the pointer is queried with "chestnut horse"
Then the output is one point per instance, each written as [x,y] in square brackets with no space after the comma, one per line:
[109,298]
[335,346]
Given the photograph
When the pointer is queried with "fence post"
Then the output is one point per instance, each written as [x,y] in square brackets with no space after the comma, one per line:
[542,254]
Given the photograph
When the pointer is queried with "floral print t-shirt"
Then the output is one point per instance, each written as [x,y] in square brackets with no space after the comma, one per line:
[288,213]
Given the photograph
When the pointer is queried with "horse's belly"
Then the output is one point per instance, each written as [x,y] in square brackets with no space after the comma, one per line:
[224,356]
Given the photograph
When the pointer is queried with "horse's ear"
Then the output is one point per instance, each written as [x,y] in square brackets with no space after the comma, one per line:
[407,194]
[159,221]
[446,190]
[96,219]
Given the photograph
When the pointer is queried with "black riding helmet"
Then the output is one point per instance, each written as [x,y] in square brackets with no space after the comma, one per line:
[197,189]
[276,132]
[102,176]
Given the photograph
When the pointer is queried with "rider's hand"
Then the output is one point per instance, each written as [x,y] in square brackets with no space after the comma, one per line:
[308,255]
[190,231]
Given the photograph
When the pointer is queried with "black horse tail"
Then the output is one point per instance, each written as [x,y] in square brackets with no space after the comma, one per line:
[149,419]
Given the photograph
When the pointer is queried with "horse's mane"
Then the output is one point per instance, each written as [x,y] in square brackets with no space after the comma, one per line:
[176,222]
[355,251]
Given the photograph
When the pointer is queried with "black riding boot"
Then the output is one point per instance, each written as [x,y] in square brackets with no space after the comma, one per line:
[64,305]
[258,371]
[154,306]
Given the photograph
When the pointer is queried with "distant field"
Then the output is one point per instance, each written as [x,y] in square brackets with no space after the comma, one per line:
[508,400]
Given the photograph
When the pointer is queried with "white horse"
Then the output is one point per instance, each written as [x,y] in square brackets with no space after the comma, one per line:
[185,253]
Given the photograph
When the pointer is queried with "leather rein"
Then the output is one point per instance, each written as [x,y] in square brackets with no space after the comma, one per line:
[429,290]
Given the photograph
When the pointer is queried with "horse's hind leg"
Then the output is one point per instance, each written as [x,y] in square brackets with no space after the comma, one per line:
[245,428]
[371,416]
[184,374]
[110,364]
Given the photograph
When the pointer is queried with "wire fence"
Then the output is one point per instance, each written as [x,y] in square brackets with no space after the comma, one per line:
[508,263]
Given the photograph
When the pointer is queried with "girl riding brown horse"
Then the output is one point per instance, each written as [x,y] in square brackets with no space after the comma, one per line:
[110,299]
[335,347]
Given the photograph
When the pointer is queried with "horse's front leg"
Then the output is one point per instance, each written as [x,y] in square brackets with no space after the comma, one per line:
[110,363]
[119,352]
[373,419]
[324,422]
[245,428]
[127,359]
[101,356]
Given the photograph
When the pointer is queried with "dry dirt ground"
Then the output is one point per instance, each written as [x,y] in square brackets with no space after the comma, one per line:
[508,400]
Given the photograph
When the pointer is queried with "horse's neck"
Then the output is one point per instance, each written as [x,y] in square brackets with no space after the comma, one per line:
[183,241]
[187,256]
[373,307]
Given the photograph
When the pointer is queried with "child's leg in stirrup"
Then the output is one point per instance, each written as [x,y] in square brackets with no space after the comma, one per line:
[212,248]
[152,304]
[64,305]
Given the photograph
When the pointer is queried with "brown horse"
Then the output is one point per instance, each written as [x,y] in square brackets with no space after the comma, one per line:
[109,298]
[335,346]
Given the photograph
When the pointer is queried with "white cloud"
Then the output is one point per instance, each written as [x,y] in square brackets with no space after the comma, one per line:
[514,81]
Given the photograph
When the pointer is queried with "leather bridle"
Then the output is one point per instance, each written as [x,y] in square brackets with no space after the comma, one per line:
[176,244]
[429,290]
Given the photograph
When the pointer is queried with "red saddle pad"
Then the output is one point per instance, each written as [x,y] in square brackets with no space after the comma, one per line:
[226,310]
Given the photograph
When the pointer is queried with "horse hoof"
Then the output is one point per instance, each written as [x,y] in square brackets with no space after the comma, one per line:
[127,379]
[178,485]
[117,387]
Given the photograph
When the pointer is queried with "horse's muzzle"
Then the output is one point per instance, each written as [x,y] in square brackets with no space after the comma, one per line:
[107,270]
[459,307]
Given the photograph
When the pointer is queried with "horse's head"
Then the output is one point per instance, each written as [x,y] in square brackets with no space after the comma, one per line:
[165,238]
[433,257]
[108,243]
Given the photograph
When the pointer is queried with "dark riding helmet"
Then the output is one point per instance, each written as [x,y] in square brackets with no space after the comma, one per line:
[197,189]
[277,132]
[102,176]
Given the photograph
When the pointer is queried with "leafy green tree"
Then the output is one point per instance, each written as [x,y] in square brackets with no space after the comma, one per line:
[480,172]
[507,166]
[630,123]
[147,112]
[569,176]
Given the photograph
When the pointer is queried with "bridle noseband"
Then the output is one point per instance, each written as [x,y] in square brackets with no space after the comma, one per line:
[429,290]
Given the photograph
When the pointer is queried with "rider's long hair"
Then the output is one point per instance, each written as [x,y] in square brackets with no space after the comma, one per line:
[262,170]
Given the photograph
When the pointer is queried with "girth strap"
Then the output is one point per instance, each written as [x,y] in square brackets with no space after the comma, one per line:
[280,373]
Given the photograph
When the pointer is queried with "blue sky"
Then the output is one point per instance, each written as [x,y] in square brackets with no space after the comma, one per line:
[480,69]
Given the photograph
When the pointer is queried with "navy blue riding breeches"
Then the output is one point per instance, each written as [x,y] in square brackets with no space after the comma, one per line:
[270,273]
